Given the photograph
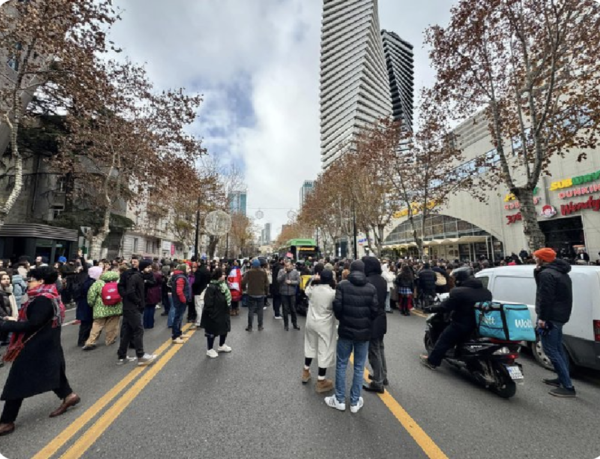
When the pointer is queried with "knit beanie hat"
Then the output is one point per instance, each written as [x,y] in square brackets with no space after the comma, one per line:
[62,259]
[546,254]
[94,272]
[144,264]
[181,267]
[357,265]
[256,263]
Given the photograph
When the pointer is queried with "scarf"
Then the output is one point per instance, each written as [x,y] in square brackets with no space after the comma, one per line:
[224,290]
[48,291]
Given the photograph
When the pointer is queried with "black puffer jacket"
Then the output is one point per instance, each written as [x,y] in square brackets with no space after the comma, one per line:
[355,306]
[426,280]
[374,277]
[554,298]
[131,289]
[462,299]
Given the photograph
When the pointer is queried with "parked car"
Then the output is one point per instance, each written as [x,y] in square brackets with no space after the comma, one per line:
[515,284]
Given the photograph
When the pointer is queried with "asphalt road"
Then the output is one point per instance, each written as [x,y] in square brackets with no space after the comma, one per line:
[251,404]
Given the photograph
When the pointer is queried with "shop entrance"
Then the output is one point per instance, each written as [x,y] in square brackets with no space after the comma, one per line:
[563,233]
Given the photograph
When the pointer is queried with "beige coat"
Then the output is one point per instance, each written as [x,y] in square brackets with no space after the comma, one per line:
[319,333]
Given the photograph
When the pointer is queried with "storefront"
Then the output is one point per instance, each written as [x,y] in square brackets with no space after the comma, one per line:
[34,240]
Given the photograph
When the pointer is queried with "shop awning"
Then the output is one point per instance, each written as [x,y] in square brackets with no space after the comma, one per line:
[37,230]
[472,239]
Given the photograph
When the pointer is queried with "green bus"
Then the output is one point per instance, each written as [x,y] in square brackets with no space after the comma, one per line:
[300,249]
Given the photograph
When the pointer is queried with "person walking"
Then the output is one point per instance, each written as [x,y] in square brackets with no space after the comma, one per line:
[107,307]
[355,307]
[202,279]
[181,295]
[256,282]
[234,281]
[192,315]
[216,319]
[80,286]
[553,306]
[131,290]
[379,328]
[288,279]
[275,294]
[153,281]
[319,332]
[40,365]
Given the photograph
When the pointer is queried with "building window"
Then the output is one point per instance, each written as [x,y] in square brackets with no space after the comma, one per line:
[61,184]
[135,244]
[149,247]
[56,211]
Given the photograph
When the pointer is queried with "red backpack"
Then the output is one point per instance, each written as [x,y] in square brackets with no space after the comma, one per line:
[110,294]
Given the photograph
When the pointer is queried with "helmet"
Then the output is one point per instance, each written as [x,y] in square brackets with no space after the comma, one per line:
[462,274]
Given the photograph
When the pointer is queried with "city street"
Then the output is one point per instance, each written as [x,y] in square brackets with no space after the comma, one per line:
[251,404]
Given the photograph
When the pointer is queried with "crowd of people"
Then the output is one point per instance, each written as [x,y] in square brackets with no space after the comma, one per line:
[346,303]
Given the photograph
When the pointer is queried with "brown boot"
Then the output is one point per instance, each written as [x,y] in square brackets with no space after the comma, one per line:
[324,385]
[71,400]
[6,428]
[305,375]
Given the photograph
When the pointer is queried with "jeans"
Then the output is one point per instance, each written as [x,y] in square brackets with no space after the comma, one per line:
[450,337]
[149,311]
[552,344]
[199,305]
[131,328]
[85,329]
[289,307]
[178,319]
[377,361]
[388,307]
[344,349]
[255,306]
[277,305]
[171,315]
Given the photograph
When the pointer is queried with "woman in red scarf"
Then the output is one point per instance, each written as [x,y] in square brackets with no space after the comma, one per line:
[234,281]
[40,366]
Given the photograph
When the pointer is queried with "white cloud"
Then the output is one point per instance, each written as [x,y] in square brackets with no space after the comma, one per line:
[257,64]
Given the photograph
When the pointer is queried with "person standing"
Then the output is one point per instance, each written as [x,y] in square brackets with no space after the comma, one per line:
[379,328]
[406,287]
[355,306]
[19,284]
[107,311]
[389,276]
[288,279]
[153,283]
[40,366]
[131,290]
[202,279]
[256,282]
[8,304]
[192,316]
[234,281]
[216,320]
[553,306]
[275,294]
[81,283]
[319,332]
[182,293]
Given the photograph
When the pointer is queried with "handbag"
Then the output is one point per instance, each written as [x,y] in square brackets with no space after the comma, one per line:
[440,280]
[12,353]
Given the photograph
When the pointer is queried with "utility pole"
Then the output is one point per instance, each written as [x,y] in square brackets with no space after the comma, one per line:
[227,247]
[354,230]
[196,243]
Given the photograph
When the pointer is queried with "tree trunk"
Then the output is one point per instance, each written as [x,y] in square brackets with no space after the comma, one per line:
[99,238]
[212,246]
[531,228]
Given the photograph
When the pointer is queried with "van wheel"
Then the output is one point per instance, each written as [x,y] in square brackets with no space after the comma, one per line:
[540,355]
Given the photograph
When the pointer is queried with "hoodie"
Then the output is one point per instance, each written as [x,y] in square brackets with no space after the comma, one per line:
[355,305]
[554,296]
[94,297]
[373,272]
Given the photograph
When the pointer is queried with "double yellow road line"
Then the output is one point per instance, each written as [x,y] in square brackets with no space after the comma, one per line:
[89,437]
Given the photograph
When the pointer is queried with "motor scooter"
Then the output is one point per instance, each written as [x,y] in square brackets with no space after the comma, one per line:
[491,362]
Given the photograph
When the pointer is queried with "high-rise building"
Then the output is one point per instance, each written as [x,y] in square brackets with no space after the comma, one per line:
[265,234]
[400,59]
[355,89]
[237,202]
[306,189]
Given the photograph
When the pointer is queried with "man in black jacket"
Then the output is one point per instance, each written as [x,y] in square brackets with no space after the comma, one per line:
[275,294]
[553,305]
[426,283]
[355,306]
[131,289]
[376,348]
[461,303]
[201,281]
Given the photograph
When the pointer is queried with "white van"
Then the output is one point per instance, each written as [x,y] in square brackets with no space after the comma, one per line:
[515,284]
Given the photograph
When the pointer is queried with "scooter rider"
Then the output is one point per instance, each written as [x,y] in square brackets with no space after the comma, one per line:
[461,303]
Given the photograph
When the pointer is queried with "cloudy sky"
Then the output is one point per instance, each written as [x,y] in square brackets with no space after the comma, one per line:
[257,64]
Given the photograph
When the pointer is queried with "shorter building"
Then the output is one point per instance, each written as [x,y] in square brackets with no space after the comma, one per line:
[265,235]
[237,202]
[307,188]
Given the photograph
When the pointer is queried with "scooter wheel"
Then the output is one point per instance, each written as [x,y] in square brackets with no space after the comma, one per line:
[504,386]
[428,342]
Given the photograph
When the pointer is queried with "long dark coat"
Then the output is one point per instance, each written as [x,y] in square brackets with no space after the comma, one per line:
[38,367]
[215,315]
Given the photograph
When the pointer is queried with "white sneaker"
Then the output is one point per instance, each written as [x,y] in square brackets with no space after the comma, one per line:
[278,317]
[212,354]
[333,403]
[184,336]
[147,359]
[178,341]
[224,348]
[356,408]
